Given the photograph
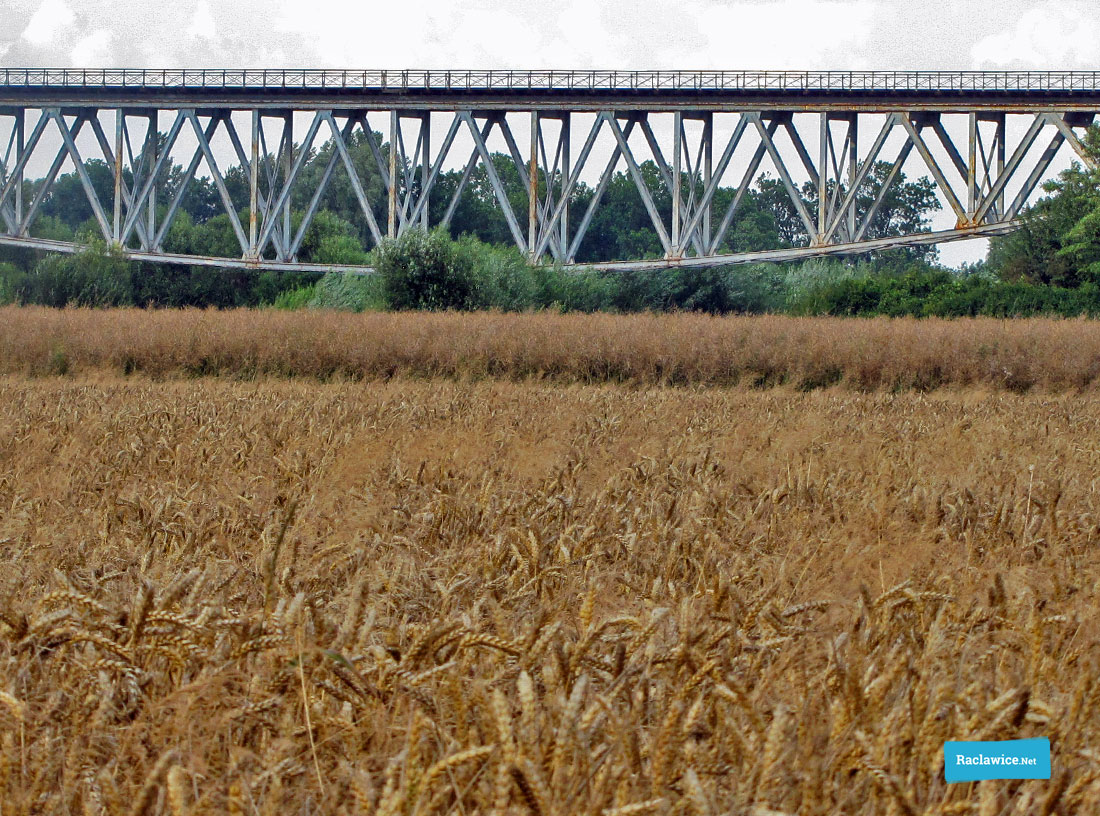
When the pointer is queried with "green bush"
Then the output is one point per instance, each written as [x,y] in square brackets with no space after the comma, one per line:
[293,299]
[425,270]
[267,286]
[502,277]
[331,240]
[753,289]
[348,292]
[934,292]
[93,277]
[574,291]
[11,283]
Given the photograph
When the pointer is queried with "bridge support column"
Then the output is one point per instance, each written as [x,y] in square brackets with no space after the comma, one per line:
[677,181]
[20,122]
[533,188]
[566,192]
[853,171]
[972,167]
[288,160]
[1000,141]
[425,167]
[254,186]
[152,142]
[391,223]
[116,215]
[822,179]
[708,171]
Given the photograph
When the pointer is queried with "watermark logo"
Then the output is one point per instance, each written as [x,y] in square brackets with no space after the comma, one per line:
[1006,759]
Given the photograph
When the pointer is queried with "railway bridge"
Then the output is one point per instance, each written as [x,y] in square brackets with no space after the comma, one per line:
[985,139]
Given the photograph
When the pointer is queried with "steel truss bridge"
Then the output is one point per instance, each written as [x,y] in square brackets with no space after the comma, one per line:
[986,140]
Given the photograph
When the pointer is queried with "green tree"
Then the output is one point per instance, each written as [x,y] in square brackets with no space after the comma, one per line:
[68,202]
[906,207]
[621,227]
[339,197]
[1058,241]
[330,239]
[1081,243]
[478,212]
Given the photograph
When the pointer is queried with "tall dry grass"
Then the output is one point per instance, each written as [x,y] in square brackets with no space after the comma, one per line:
[429,598]
[889,354]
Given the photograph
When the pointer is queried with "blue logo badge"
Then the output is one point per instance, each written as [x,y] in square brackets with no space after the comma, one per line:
[1007,759]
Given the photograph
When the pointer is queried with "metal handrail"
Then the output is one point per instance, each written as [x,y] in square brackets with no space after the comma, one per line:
[552,80]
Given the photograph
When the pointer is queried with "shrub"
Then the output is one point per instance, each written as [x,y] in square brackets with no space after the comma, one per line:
[502,277]
[347,292]
[425,270]
[755,289]
[11,282]
[293,299]
[93,277]
[574,291]
[331,240]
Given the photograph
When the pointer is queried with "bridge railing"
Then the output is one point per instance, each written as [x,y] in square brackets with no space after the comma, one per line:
[408,80]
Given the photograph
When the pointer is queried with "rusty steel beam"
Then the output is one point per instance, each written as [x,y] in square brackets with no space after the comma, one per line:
[729,259]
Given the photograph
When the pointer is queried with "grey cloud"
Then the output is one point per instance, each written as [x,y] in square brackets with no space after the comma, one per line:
[902,34]
[148,35]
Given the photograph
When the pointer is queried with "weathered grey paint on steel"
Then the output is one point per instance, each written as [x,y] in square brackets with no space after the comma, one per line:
[758,109]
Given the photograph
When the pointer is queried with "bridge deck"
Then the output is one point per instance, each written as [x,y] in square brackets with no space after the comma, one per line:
[548,90]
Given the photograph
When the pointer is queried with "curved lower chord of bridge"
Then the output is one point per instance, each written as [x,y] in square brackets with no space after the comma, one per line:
[985,139]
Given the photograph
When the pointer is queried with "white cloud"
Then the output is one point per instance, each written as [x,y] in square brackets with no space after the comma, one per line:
[579,34]
[94,49]
[789,34]
[52,16]
[1047,36]
[621,34]
[202,24]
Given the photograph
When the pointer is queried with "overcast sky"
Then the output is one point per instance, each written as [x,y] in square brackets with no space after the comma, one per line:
[884,34]
[581,34]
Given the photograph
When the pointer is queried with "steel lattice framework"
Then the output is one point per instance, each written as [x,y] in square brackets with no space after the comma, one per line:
[703,131]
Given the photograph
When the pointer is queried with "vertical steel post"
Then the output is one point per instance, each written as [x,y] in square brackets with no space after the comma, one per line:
[116,216]
[288,161]
[20,120]
[972,168]
[999,140]
[533,189]
[254,185]
[563,236]
[708,171]
[822,179]
[391,227]
[853,169]
[425,166]
[677,191]
[152,140]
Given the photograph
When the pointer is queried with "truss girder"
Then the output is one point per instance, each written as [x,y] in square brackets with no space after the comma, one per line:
[836,168]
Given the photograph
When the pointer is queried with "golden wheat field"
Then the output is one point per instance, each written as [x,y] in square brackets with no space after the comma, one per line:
[453,597]
[893,354]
